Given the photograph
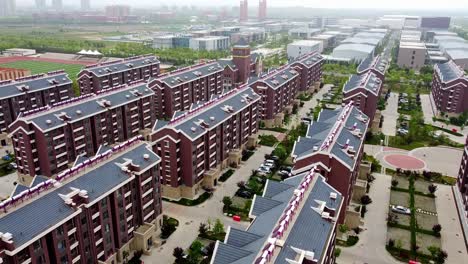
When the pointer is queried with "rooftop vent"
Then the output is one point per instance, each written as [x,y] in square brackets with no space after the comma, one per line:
[333,195]
[48,121]
[212,118]
[146,156]
[78,112]
[193,129]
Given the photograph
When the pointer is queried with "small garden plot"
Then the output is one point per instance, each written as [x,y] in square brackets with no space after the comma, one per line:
[424,241]
[425,203]
[425,221]
[399,198]
[403,182]
[401,237]
[238,202]
[421,186]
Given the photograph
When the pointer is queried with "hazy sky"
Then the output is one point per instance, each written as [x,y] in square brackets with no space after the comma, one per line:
[387,4]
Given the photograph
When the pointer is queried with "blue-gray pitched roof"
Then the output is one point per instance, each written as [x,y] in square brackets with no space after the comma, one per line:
[377,63]
[190,74]
[449,71]
[122,65]
[41,82]
[368,81]
[309,231]
[86,107]
[236,101]
[19,188]
[278,78]
[41,213]
[309,60]
[319,131]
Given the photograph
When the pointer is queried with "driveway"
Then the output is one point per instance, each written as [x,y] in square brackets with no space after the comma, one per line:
[452,235]
[371,246]
[191,217]
[390,115]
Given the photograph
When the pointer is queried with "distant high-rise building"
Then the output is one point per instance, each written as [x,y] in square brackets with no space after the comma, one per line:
[57,4]
[85,5]
[262,9]
[41,4]
[118,12]
[244,10]
[7,7]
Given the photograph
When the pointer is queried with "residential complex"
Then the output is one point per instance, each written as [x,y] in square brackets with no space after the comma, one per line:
[461,192]
[363,91]
[31,92]
[295,221]
[195,145]
[334,144]
[95,78]
[103,206]
[309,67]
[449,89]
[47,140]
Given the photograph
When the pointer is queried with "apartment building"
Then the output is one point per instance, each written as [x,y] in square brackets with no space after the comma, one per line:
[461,191]
[30,92]
[103,206]
[334,145]
[243,64]
[178,90]
[195,145]
[449,89]
[97,77]
[377,65]
[309,67]
[47,140]
[295,221]
[278,90]
[363,91]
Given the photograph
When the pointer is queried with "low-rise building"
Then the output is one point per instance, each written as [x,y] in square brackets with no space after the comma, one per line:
[97,77]
[195,145]
[27,93]
[353,52]
[411,55]
[295,221]
[13,73]
[363,91]
[449,88]
[300,48]
[335,144]
[210,43]
[309,67]
[47,140]
[102,207]
[303,33]
[278,90]
[328,41]
[18,52]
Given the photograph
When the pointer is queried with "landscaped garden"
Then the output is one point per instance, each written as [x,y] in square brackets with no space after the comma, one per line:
[413,229]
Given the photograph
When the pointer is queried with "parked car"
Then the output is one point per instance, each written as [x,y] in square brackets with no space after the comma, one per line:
[263,170]
[401,209]
[6,158]
[12,166]
[269,164]
[306,120]
[402,131]
[244,194]
[271,157]
[286,168]
[284,174]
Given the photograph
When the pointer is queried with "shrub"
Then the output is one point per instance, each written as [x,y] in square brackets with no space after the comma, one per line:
[227,201]
[337,252]
[391,243]
[436,229]
[365,199]
[202,229]
[218,227]
[432,188]
[178,253]
[394,183]
[168,227]
[363,211]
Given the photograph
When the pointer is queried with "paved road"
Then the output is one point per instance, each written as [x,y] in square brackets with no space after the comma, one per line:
[371,246]
[191,217]
[6,184]
[451,234]
[390,115]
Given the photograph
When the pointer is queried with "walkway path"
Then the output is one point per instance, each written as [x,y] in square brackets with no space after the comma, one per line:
[452,235]
[191,217]
[371,246]
[390,115]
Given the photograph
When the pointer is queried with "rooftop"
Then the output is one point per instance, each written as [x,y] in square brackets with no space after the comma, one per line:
[49,206]
[309,60]
[368,81]
[281,217]
[121,65]
[377,63]
[206,115]
[308,43]
[189,74]
[278,77]
[88,105]
[449,71]
[33,83]
[339,133]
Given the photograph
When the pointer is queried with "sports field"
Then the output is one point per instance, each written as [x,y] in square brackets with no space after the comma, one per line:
[43,67]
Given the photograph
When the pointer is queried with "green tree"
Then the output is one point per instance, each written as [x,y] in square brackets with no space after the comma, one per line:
[227,201]
[195,252]
[218,227]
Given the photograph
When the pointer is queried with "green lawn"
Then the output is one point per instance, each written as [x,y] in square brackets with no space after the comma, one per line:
[43,67]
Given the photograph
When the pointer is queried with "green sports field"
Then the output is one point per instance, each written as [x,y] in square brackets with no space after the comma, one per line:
[42,67]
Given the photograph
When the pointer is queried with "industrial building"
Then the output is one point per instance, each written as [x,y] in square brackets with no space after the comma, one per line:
[302,47]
